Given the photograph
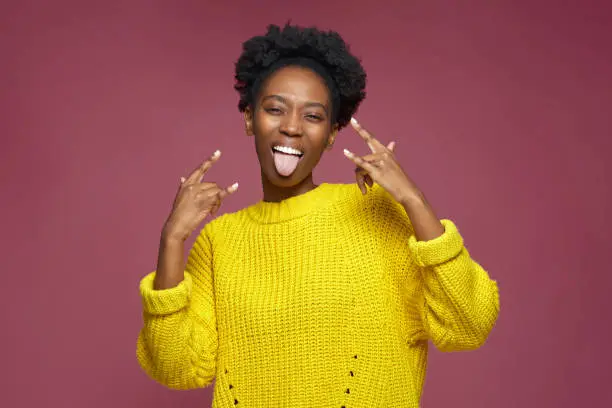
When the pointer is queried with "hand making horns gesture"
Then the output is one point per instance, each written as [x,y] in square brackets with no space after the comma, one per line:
[195,200]
[381,167]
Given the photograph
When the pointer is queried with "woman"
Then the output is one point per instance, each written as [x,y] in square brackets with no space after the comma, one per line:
[318,295]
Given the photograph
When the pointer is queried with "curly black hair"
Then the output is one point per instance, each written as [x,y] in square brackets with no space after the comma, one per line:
[295,45]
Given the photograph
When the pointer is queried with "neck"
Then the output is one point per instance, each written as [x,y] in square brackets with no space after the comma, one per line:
[275,194]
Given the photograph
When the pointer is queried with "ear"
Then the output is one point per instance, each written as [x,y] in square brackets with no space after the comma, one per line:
[248,121]
[332,137]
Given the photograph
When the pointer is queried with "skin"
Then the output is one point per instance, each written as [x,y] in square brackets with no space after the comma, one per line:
[293,108]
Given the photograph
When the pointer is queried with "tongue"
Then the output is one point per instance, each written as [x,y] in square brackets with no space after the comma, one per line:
[285,163]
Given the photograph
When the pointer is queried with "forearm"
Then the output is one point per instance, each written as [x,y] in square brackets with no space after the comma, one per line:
[461,303]
[178,341]
[166,350]
[170,264]
[426,224]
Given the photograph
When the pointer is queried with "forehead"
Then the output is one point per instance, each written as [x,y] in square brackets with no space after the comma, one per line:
[297,83]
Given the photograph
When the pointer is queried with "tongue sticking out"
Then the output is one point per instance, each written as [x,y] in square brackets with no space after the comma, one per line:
[285,163]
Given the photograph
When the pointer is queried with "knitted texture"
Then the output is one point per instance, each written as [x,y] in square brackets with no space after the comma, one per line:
[325,299]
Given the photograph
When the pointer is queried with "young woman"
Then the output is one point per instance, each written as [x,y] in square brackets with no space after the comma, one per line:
[319,295]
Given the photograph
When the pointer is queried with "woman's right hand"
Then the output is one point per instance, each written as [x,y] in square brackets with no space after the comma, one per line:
[194,201]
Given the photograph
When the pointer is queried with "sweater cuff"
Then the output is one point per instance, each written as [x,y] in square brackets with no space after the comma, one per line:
[438,250]
[164,301]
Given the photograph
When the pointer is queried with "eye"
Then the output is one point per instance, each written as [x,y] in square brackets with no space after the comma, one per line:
[274,111]
[314,117]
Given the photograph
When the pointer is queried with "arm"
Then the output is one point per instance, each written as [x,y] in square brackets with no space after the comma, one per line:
[456,302]
[177,344]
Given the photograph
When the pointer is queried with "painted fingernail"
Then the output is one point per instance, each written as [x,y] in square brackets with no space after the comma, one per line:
[216,153]
[347,152]
[234,186]
[354,121]
[182,179]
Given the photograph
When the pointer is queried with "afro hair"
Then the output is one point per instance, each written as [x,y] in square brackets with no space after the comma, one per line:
[261,55]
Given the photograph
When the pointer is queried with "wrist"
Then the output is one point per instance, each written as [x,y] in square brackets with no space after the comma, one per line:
[172,238]
[413,199]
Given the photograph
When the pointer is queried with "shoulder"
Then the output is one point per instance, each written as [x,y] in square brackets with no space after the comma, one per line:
[376,209]
[384,212]
[222,222]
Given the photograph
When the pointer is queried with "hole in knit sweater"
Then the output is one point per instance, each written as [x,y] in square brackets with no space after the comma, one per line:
[235,401]
[352,375]
[348,391]
[231,386]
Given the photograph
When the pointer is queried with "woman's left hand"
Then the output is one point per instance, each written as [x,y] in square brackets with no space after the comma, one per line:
[381,167]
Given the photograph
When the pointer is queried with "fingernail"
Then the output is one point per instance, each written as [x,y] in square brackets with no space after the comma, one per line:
[182,179]
[354,121]
[347,152]
[216,153]
[234,186]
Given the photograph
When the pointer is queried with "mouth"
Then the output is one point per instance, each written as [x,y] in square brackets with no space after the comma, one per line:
[286,159]
[287,150]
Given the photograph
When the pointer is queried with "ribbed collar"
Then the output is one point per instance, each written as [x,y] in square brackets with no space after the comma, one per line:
[266,212]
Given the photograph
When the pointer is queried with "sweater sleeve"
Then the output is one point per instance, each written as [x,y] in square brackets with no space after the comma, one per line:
[458,302]
[177,344]
[450,298]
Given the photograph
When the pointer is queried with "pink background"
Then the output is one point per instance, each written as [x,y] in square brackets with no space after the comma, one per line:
[501,113]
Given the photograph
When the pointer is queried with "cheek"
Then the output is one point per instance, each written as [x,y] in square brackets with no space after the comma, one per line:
[319,137]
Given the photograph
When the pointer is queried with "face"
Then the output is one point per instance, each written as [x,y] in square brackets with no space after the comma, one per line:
[292,111]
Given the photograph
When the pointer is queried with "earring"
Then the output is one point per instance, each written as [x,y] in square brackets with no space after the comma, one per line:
[247,127]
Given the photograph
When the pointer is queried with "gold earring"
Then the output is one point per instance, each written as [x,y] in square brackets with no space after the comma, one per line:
[247,127]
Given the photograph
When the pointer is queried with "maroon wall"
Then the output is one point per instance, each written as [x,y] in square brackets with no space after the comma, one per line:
[501,113]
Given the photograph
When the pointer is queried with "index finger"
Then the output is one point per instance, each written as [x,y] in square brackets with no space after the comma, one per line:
[374,145]
[198,173]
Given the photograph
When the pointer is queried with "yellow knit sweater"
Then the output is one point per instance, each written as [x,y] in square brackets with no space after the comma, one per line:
[325,299]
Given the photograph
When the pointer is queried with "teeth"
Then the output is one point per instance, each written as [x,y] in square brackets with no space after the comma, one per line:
[288,150]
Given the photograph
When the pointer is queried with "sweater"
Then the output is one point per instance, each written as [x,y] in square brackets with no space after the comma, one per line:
[325,299]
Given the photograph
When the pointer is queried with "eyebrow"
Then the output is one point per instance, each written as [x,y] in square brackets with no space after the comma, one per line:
[284,100]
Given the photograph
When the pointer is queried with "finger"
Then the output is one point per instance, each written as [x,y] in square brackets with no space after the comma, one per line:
[373,144]
[215,207]
[376,158]
[359,161]
[359,177]
[198,173]
[227,191]
[363,179]
[181,183]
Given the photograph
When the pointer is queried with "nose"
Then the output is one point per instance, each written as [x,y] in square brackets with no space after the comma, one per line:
[291,125]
